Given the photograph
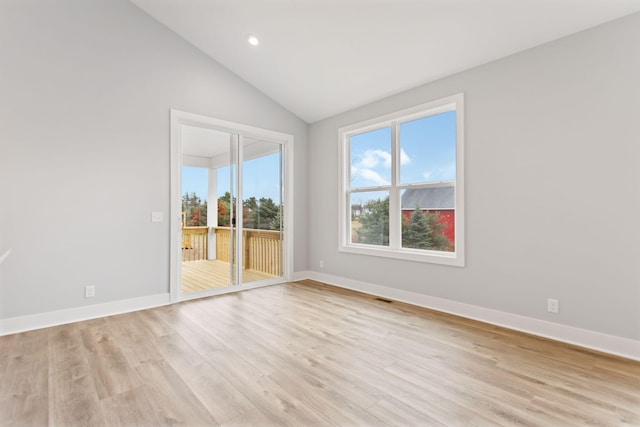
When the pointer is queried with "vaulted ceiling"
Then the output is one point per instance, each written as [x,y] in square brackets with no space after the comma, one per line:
[318,58]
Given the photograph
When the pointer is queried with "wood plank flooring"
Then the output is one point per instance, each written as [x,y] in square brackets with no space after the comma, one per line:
[305,354]
[211,274]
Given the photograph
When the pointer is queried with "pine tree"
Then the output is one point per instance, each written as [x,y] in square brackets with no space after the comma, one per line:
[263,216]
[375,223]
[438,240]
[276,222]
[424,231]
[250,205]
[417,233]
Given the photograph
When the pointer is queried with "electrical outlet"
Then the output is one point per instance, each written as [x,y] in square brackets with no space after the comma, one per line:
[321,263]
[157,217]
[89,291]
[553,305]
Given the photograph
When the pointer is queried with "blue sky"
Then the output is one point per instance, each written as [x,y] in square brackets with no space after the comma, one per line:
[428,153]
[194,180]
[260,179]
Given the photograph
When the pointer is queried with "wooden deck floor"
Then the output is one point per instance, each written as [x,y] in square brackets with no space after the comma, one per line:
[202,275]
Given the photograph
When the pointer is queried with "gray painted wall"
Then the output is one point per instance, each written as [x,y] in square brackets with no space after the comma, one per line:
[85,93]
[552,185]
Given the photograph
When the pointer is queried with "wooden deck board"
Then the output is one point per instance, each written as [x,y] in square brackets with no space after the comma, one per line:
[211,274]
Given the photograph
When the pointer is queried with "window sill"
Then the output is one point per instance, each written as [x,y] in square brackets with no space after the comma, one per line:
[455,259]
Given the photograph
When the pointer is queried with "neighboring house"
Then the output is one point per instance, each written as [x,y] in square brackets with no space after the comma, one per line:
[435,200]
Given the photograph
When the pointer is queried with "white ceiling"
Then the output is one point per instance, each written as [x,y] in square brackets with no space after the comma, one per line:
[318,58]
[203,142]
[214,146]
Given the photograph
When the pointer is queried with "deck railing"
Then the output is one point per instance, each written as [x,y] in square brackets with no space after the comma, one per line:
[195,243]
[263,251]
[262,248]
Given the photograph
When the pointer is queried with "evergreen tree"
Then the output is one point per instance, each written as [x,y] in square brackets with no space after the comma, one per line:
[417,233]
[261,214]
[250,205]
[265,213]
[424,231]
[276,223]
[375,223]
[438,240]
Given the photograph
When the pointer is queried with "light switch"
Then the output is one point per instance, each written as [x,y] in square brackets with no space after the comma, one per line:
[157,217]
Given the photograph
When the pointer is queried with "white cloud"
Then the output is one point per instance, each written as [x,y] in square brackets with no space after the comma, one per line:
[372,158]
[372,177]
[404,158]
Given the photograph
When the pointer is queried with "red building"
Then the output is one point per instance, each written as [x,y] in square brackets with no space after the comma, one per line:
[435,200]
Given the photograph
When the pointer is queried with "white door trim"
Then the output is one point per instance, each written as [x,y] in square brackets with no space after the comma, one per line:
[180,118]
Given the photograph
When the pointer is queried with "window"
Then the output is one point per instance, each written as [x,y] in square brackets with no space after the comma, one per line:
[401,189]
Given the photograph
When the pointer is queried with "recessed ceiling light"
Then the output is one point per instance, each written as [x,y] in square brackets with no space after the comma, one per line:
[253,40]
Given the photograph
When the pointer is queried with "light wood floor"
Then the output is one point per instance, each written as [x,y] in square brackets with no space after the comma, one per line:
[211,274]
[305,354]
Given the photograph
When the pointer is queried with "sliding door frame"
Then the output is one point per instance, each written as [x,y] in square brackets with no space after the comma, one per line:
[181,118]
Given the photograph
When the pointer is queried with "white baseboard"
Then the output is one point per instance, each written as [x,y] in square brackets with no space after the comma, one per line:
[610,344]
[594,340]
[301,275]
[14,325]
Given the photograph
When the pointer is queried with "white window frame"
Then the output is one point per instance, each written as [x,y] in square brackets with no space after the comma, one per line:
[395,249]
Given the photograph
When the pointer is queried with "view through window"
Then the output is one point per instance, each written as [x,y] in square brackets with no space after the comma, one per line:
[402,192]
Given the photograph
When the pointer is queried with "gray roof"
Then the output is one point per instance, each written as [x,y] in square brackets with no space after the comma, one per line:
[429,198]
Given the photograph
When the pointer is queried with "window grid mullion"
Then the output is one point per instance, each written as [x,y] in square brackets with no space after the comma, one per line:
[395,227]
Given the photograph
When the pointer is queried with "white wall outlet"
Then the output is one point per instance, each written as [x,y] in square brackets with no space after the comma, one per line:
[157,217]
[321,263]
[89,291]
[553,305]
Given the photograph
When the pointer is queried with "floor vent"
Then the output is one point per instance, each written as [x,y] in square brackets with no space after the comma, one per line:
[388,301]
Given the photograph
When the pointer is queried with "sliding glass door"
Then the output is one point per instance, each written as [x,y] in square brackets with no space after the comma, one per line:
[232,210]
[262,208]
